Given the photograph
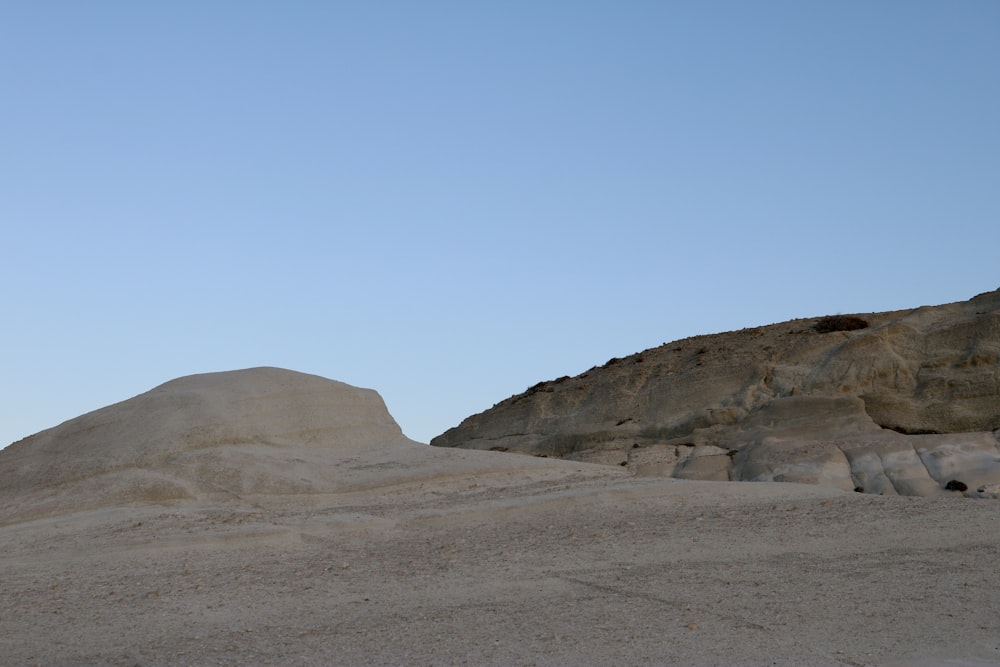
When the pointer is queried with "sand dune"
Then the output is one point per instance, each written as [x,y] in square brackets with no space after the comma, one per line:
[266,517]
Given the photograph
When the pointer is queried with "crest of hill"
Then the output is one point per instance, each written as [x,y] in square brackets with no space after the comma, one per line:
[894,402]
[237,436]
[259,406]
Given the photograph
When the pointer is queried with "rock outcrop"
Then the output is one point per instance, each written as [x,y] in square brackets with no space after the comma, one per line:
[899,402]
[248,437]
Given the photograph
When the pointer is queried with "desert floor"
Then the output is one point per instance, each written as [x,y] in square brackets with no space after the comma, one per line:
[591,571]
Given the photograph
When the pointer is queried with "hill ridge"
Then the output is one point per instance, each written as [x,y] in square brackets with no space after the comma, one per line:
[781,402]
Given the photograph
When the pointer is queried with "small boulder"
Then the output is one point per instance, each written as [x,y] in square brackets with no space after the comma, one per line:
[955,485]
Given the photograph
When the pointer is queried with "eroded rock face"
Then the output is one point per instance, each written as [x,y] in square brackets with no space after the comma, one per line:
[224,434]
[898,402]
[256,437]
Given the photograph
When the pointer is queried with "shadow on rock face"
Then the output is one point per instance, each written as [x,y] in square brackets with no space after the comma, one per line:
[888,403]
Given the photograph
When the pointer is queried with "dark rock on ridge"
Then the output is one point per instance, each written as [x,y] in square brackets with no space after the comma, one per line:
[896,402]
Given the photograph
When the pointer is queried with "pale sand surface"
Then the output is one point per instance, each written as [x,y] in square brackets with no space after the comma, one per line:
[576,571]
[265,517]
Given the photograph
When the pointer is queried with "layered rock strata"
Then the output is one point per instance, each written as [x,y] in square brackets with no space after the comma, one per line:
[899,402]
[254,437]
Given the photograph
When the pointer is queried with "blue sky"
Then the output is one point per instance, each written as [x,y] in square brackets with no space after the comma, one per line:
[450,201]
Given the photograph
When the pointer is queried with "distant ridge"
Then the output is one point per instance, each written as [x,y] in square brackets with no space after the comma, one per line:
[897,402]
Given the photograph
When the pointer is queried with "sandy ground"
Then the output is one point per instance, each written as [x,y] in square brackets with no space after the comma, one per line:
[587,572]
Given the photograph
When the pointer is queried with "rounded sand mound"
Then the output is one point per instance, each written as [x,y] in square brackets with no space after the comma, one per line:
[230,437]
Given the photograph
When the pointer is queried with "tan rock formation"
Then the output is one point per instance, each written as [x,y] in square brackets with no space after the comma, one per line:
[898,402]
[249,437]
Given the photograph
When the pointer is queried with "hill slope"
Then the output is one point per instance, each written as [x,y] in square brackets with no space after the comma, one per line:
[248,437]
[898,402]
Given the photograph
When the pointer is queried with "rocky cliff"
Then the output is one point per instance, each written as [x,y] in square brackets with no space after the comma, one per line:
[898,402]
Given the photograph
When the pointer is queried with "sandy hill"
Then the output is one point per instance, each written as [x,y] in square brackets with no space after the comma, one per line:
[900,402]
[253,436]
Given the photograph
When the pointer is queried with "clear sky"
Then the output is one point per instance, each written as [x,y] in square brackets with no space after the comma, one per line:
[451,201]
